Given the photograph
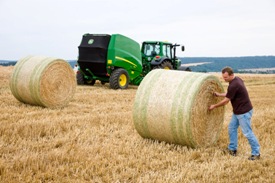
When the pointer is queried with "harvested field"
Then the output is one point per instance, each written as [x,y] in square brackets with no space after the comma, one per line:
[93,139]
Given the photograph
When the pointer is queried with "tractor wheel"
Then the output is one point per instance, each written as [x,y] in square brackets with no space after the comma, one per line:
[155,67]
[79,78]
[166,65]
[119,79]
[90,82]
[81,81]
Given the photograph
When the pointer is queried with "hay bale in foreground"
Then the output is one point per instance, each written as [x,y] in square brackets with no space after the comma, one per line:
[172,106]
[43,81]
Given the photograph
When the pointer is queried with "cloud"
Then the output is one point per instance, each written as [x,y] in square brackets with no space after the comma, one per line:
[206,28]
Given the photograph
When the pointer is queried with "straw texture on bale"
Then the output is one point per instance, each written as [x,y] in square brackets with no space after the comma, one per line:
[172,106]
[43,81]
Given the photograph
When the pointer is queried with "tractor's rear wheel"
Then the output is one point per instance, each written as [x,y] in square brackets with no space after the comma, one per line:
[166,65]
[155,67]
[119,79]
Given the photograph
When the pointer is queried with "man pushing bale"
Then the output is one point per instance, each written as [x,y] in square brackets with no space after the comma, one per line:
[242,113]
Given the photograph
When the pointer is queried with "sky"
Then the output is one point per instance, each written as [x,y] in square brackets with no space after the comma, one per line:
[207,28]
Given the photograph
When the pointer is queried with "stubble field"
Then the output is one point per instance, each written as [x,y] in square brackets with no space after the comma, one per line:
[93,139]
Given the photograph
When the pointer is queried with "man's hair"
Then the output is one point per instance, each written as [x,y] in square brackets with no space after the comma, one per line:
[229,70]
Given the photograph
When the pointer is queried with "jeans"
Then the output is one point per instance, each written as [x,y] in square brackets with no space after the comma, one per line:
[243,120]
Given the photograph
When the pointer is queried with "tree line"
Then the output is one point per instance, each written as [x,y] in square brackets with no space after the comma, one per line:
[215,64]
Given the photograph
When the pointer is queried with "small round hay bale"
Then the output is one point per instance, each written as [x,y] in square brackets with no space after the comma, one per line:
[44,81]
[172,106]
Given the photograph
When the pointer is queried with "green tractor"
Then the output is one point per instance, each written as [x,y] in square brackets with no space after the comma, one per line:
[118,60]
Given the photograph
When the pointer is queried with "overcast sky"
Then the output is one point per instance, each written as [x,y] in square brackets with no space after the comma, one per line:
[205,27]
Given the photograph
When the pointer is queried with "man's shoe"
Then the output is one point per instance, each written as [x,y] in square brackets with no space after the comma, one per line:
[232,152]
[254,157]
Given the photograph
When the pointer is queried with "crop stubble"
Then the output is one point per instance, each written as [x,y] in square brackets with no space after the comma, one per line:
[93,139]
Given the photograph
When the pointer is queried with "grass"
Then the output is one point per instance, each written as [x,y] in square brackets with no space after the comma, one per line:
[93,139]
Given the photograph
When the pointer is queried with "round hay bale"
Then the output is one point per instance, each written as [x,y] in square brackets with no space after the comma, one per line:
[44,81]
[172,106]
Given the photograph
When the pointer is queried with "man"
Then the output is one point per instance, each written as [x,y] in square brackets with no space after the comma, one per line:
[75,68]
[242,113]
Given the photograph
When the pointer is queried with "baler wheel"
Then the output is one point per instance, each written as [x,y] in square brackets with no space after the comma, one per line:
[81,81]
[90,82]
[79,78]
[119,79]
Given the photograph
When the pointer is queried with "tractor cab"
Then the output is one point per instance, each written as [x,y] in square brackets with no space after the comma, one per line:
[158,54]
[151,49]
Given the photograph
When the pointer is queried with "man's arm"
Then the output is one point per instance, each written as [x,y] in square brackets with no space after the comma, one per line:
[219,94]
[221,103]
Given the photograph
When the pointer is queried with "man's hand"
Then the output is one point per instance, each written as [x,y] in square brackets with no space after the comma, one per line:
[216,94]
[221,103]
[212,107]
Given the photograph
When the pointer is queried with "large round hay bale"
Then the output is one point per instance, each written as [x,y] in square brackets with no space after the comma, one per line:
[172,106]
[44,81]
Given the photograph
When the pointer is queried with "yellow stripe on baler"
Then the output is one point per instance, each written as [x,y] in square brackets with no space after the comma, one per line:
[123,59]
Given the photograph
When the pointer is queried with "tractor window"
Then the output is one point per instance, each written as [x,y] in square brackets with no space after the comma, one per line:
[167,50]
[164,50]
[151,49]
[157,49]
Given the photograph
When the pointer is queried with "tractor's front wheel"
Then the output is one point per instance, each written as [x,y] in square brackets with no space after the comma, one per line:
[119,79]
